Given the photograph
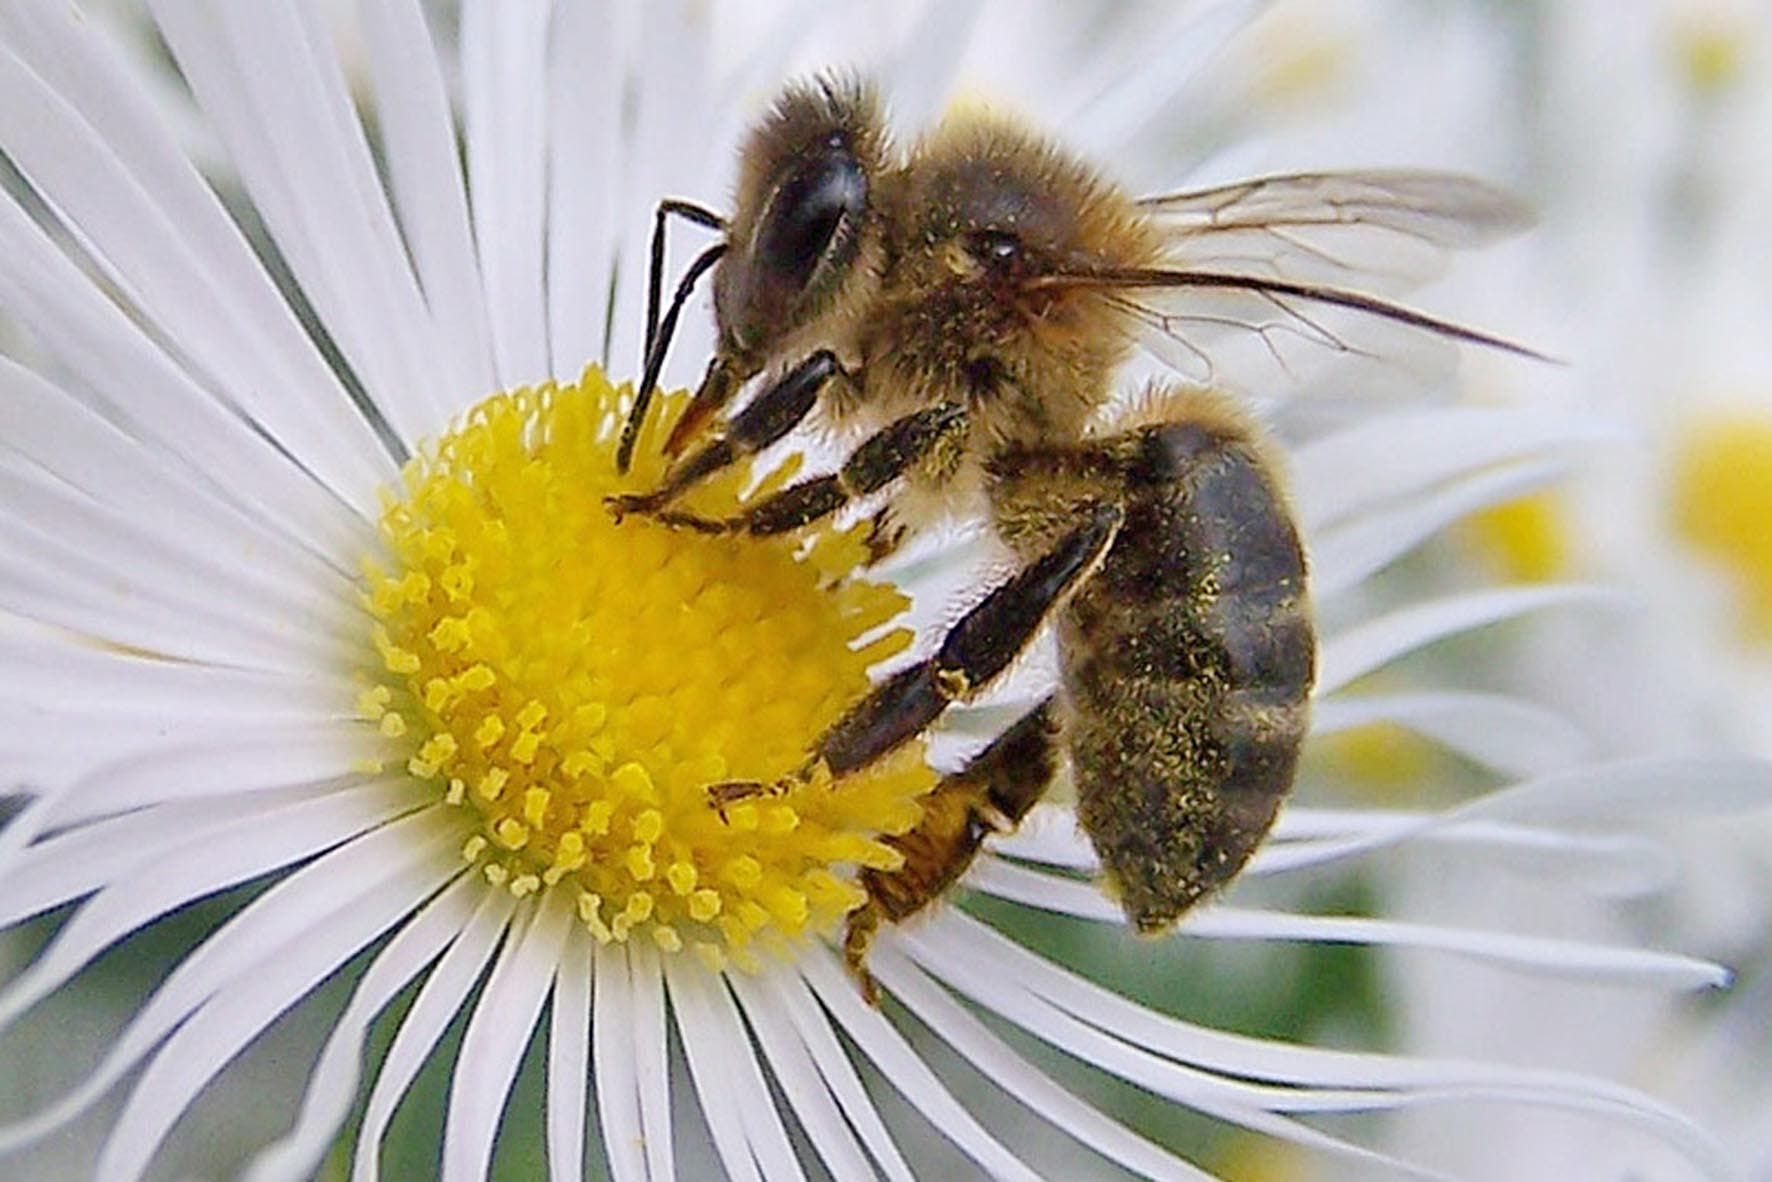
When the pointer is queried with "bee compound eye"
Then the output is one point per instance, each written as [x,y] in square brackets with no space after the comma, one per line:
[807,214]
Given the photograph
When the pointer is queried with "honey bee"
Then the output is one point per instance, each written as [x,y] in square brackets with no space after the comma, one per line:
[967,304]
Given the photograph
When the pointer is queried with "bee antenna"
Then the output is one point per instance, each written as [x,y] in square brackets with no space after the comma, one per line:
[658,342]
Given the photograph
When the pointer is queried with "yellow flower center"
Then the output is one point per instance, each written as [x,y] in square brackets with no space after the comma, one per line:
[575,684]
[1722,505]
[1525,539]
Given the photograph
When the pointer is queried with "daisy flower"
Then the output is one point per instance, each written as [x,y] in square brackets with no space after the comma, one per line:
[321,650]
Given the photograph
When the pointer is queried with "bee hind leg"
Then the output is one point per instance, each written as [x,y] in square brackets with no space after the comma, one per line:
[991,794]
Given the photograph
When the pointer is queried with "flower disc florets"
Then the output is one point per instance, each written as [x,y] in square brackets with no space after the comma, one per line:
[576,684]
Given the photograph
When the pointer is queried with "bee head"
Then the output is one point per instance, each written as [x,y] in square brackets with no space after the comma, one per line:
[803,222]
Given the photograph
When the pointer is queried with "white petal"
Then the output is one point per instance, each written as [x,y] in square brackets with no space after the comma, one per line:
[1359,650]
[813,1026]
[584,168]
[920,73]
[1257,1107]
[1511,735]
[652,1068]
[1608,792]
[1304,837]
[498,1033]
[283,911]
[444,993]
[74,863]
[504,91]
[45,426]
[332,1085]
[905,1069]
[1031,1086]
[1368,1081]
[734,1098]
[132,381]
[1563,958]
[1344,555]
[243,760]
[800,1081]
[1604,865]
[70,675]
[613,1037]
[225,857]
[424,166]
[167,594]
[276,98]
[118,172]
[1399,455]
[569,1062]
[223,1026]
[672,41]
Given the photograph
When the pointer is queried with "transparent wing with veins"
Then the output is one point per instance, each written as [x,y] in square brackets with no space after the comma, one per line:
[1263,279]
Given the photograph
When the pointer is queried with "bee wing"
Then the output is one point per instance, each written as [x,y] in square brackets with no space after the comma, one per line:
[1379,230]
[1261,280]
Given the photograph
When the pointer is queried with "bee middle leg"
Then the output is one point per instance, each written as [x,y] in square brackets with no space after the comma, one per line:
[973,653]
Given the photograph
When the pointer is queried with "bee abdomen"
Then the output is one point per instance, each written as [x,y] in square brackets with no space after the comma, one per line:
[1188,661]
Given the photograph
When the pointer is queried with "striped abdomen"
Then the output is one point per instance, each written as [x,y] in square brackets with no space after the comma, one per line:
[1187,663]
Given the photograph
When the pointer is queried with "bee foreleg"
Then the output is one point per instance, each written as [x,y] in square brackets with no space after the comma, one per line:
[974,651]
[770,415]
[879,460]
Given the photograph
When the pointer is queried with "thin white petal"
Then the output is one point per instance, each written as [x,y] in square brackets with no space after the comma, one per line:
[584,168]
[837,1070]
[1563,958]
[1303,837]
[1359,650]
[106,160]
[905,1069]
[671,41]
[652,1068]
[444,993]
[569,1062]
[286,909]
[132,381]
[1511,735]
[276,98]
[1662,785]
[222,858]
[1002,1066]
[735,1100]
[920,74]
[70,675]
[243,760]
[1257,1107]
[73,863]
[1399,455]
[332,1085]
[241,1011]
[1344,555]
[500,1030]
[1326,1081]
[44,426]
[105,555]
[801,1084]
[424,166]
[613,1058]
[504,88]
